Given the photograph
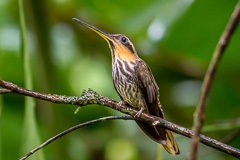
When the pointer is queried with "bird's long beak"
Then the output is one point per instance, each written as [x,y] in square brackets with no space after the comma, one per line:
[103,34]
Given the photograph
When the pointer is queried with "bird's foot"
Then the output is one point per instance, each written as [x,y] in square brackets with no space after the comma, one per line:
[139,112]
[119,104]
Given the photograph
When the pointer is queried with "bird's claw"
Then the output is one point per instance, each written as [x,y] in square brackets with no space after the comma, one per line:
[139,113]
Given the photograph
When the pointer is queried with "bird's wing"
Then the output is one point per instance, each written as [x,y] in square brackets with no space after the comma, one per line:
[149,89]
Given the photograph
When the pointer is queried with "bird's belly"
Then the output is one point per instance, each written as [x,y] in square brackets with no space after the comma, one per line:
[129,91]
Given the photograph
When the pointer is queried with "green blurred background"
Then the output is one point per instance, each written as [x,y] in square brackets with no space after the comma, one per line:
[176,38]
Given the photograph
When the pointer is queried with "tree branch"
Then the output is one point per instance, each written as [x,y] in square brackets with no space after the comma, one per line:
[2,91]
[199,114]
[50,140]
[229,138]
[90,97]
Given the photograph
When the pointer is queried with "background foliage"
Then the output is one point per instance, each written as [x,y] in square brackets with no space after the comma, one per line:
[176,38]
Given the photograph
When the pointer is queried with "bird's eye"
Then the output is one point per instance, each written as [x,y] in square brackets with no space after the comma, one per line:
[124,39]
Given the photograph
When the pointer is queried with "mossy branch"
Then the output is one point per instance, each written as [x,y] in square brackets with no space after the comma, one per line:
[91,97]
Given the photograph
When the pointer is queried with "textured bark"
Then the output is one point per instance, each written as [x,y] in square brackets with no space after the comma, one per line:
[91,97]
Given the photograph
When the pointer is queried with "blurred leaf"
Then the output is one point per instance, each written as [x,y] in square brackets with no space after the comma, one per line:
[0,123]
[157,10]
[120,149]
[30,133]
[159,155]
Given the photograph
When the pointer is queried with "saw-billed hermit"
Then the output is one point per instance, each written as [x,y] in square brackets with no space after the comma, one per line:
[136,86]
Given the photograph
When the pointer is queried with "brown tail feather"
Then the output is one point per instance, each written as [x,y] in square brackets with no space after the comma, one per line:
[161,136]
[171,145]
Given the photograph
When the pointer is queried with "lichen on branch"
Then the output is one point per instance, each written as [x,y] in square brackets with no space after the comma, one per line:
[91,97]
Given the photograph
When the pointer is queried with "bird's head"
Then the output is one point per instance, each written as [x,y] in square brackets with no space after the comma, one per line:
[121,46]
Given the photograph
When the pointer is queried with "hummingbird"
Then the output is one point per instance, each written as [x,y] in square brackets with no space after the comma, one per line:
[135,85]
